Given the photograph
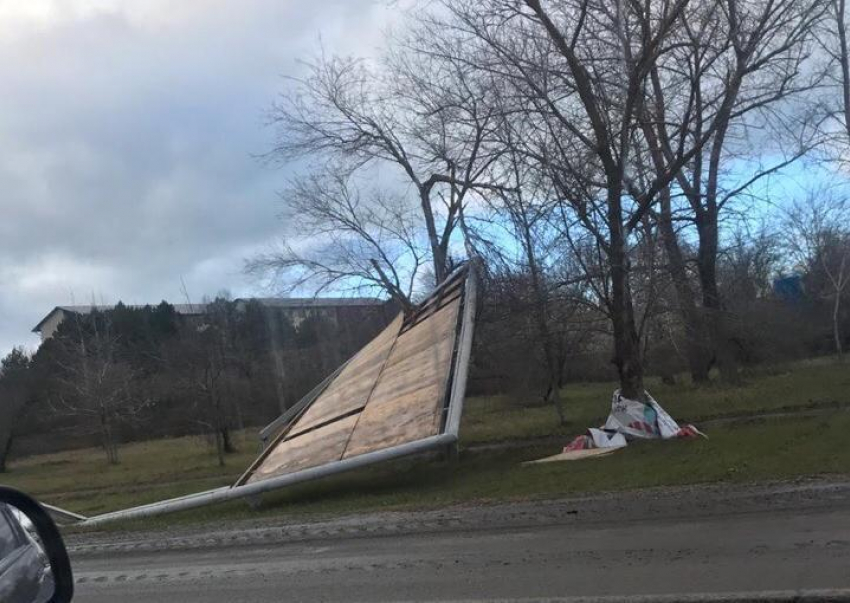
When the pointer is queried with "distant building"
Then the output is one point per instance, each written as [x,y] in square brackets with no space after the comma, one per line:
[336,309]
[47,326]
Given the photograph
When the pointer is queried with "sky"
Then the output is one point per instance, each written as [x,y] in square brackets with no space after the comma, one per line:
[129,136]
[130,132]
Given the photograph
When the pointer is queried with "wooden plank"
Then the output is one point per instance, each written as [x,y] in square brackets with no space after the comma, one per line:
[423,335]
[318,447]
[574,455]
[415,371]
[273,429]
[392,392]
[437,302]
[430,314]
[407,402]
[350,390]
[408,418]
[333,397]
[438,297]
[430,306]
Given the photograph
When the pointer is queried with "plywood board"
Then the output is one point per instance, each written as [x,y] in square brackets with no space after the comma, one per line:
[429,310]
[403,419]
[574,455]
[408,399]
[392,392]
[351,389]
[323,445]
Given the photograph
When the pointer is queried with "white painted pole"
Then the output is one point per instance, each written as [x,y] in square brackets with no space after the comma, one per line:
[231,493]
[464,352]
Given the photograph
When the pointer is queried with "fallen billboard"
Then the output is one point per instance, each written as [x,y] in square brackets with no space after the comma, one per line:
[396,390]
[402,394]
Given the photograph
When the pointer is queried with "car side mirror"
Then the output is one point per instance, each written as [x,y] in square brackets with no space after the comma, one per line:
[34,565]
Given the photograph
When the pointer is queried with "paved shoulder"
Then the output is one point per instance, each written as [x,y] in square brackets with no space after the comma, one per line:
[660,557]
[613,508]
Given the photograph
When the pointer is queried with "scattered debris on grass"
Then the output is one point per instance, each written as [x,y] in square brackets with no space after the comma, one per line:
[629,420]
[633,419]
[573,455]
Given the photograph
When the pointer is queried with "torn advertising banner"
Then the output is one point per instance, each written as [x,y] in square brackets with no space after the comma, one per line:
[632,419]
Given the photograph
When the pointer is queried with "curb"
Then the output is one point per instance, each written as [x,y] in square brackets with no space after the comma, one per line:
[841,595]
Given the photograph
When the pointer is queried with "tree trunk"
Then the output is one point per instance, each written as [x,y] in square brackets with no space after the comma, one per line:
[695,333]
[844,59]
[439,257]
[627,356]
[553,392]
[5,448]
[626,342]
[218,427]
[227,440]
[107,439]
[541,310]
[219,448]
[554,395]
[714,318]
[836,326]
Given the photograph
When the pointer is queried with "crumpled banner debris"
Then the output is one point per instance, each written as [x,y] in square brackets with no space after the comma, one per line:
[633,419]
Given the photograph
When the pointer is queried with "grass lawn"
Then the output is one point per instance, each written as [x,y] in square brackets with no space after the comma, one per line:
[773,448]
[82,480]
[811,383]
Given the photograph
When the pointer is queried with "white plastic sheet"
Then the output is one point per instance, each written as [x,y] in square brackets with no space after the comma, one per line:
[632,419]
[636,419]
[606,439]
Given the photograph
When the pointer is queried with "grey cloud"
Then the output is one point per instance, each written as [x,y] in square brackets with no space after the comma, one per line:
[126,143]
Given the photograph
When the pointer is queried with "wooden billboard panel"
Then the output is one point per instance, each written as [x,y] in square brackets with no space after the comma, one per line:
[424,336]
[408,400]
[394,391]
[311,449]
[407,418]
[351,389]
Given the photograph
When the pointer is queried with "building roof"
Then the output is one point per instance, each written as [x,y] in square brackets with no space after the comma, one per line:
[184,309]
[196,309]
[179,308]
[313,302]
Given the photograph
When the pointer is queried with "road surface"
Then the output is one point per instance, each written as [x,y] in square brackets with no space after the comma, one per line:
[696,540]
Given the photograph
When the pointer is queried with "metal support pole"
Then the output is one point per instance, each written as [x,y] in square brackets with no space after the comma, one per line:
[218,495]
[461,370]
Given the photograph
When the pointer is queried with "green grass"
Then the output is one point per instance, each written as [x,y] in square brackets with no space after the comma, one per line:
[770,450]
[807,384]
[755,450]
[83,481]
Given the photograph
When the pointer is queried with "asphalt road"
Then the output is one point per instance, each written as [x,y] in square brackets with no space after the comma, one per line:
[621,545]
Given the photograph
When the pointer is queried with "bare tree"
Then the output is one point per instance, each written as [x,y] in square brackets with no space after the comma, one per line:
[583,69]
[94,383]
[344,241]
[204,365]
[818,239]
[14,395]
[522,215]
[742,70]
[421,116]
[841,53]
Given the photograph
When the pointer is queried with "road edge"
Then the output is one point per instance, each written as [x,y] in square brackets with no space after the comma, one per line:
[779,596]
